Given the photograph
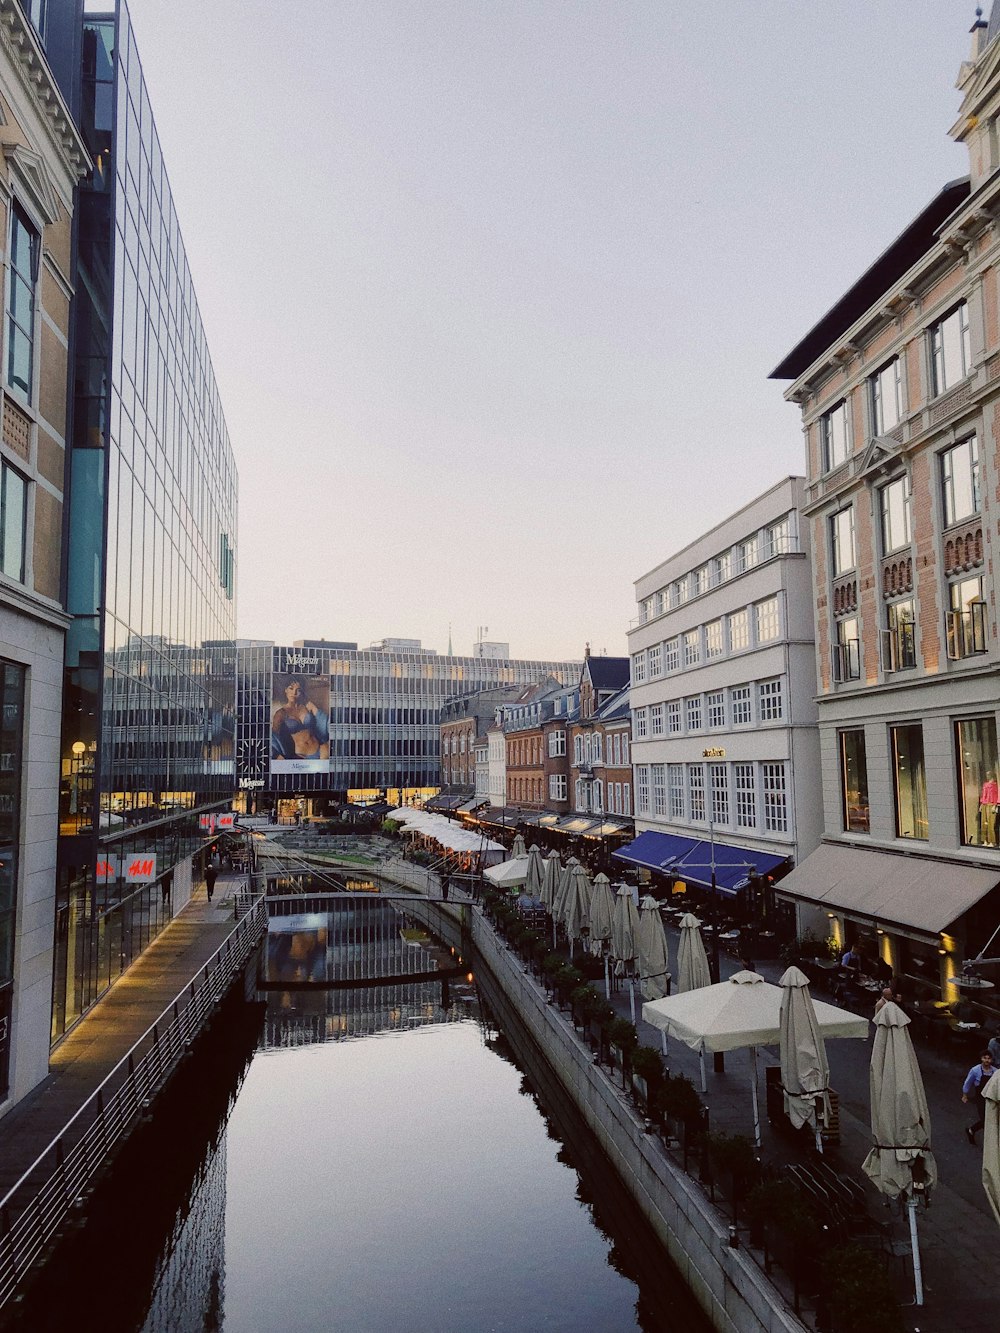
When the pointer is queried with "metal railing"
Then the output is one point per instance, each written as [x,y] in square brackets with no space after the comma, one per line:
[34,1209]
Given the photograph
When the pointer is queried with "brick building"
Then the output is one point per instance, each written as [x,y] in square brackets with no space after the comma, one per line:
[602,680]
[899,387]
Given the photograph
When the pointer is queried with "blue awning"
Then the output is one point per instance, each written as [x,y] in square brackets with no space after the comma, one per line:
[691,859]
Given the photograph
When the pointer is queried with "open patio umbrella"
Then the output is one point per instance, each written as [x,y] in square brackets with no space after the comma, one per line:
[576,905]
[692,961]
[805,1072]
[991,1145]
[744,1011]
[654,976]
[517,846]
[510,874]
[900,1162]
[550,880]
[536,872]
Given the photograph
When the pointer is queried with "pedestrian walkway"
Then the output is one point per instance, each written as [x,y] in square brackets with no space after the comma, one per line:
[102,1038]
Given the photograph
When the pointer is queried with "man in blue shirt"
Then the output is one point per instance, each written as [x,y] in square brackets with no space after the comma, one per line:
[975,1081]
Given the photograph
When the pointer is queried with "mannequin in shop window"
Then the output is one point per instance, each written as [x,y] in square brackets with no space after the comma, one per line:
[989,812]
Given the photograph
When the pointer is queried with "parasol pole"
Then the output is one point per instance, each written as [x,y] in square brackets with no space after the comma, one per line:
[607,980]
[701,1061]
[918,1281]
[631,997]
[753,1096]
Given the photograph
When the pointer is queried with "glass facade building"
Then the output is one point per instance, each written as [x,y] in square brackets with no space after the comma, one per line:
[148,724]
[368,720]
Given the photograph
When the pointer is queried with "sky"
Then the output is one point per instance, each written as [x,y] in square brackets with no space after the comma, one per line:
[493,289]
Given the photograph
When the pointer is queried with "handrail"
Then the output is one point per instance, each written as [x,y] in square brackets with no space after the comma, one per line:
[42,1208]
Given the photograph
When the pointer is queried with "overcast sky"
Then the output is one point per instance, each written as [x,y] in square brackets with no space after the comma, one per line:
[493,288]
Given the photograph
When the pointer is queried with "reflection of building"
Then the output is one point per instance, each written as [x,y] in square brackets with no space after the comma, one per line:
[899,391]
[147,724]
[42,158]
[723,719]
[384,717]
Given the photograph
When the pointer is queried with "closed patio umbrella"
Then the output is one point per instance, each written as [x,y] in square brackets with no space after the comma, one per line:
[991,1145]
[550,880]
[562,889]
[654,976]
[692,961]
[517,847]
[576,907]
[624,930]
[536,872]
[900,1163]
[602,910]
[805,1072]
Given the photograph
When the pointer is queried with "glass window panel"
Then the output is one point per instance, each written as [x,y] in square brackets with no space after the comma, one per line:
[894,503]
[854,781]
[842,540]
[834,434]
[961,481]
[12,517]
[910,781]
[979,801]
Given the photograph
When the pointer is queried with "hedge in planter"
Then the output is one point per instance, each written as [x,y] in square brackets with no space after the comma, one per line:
[857,1292]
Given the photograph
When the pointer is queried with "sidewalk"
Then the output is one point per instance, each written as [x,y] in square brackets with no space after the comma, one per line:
[104,1036]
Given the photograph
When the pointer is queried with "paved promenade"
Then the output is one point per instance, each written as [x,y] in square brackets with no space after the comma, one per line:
[101,1039]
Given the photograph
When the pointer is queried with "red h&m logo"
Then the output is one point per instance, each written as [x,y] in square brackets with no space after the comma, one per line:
[106,870]
[140,870]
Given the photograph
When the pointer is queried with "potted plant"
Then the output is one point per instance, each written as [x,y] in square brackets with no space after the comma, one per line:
[647,1074]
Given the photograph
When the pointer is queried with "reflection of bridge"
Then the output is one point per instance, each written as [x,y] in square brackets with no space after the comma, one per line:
[338,966]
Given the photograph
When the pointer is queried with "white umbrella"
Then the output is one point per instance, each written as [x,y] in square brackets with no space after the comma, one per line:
[653,961]
[508,874]
[536,872]
[562,888]
[805,1072]
[550,880]
[624,929]
[576,907]
[602,910]
[901,1122]
[991,1145]
[517,847]
[743,1011]
[692,961]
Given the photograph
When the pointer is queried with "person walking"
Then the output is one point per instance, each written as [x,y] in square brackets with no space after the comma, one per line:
[974,1086]
[211,875]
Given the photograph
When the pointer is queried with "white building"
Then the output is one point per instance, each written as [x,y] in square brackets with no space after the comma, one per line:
[725,746]
[497,764]
[481,751]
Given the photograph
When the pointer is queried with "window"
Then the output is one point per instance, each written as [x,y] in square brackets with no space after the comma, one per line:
[966,621]
[833,436]
[719,775]
[36,11]
[642,789]
[578,749]
[740,706]
[12,681]
[951,349]
[675,783]
[625,758]
[854,781]
[715,704]
[692,711]
[696,786]
[598,748]
[777,539]
[22,282]
[673,717]
[842,541]
[746,796]
[978,795]
[847,651]
[899,648]
[672,655]
[722,567]
[641,718]
[885,389]
[659,789]
[626,798]
[769,707]
[747,554]
[910,781]
[557,786]
[960,481]
[681,591]
[692,647]
[557,743]
[702,580]
[739,631]
[639,667]
[656,720]
[713,639]
[894,510]
[661,601]
[654,660]
[775,804]
[13,520]
[597,796]
[767,620]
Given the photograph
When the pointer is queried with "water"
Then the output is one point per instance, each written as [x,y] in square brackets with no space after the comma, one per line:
[377,1163]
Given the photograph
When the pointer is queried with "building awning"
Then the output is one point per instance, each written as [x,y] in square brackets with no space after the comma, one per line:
[916,892]
[577,824]
[691,859]
[474,804]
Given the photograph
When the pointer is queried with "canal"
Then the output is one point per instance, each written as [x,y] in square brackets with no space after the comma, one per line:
[343,1155]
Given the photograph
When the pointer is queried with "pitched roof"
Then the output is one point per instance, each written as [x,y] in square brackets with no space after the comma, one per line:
[616,707]
[608,673]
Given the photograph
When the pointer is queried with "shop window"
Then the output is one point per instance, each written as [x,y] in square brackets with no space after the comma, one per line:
[910,781]
[979,799]
[854,781]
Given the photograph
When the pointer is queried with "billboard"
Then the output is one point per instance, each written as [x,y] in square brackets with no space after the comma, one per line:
[300,722]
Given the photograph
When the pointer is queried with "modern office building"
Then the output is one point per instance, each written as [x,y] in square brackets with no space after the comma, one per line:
[147,733]
[724,741]
[43,158]
[899,389]
[319,725]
